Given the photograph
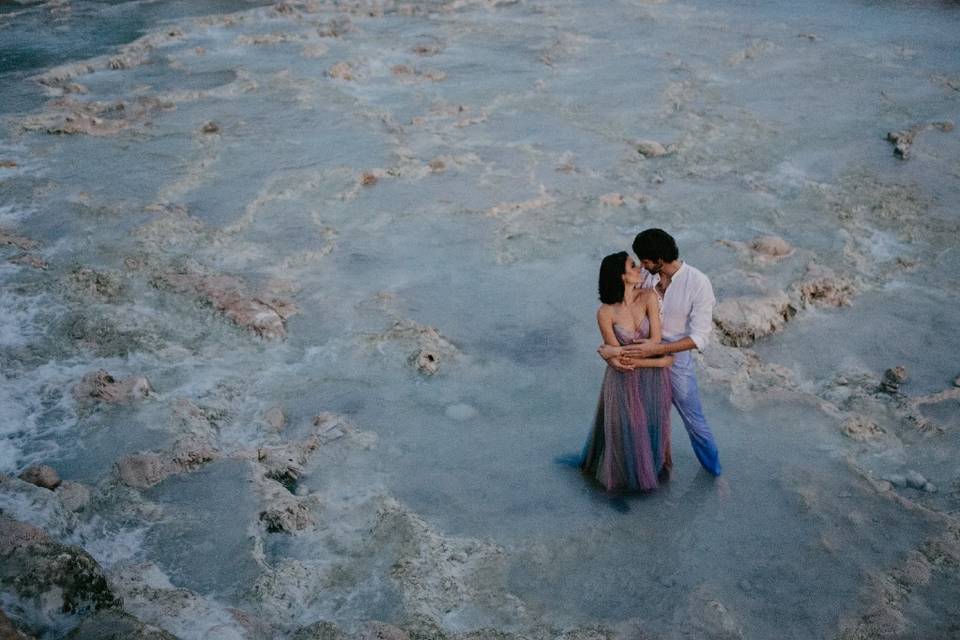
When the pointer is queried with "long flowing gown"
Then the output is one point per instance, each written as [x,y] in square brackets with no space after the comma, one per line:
[629,446]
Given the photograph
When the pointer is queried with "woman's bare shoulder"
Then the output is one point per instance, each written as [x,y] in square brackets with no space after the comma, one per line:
[605,311]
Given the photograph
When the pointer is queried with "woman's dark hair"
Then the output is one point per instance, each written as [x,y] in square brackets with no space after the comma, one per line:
[611,283]
[655,244]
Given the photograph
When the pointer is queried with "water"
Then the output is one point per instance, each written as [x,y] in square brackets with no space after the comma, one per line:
[491,132]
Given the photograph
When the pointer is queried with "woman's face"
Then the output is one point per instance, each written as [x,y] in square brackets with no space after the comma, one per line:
[631,273]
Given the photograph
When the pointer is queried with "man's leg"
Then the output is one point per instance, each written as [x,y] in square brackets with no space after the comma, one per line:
[686,398]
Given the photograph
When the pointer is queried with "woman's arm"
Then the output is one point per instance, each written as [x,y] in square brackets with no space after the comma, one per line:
[605,322]
[651,363]
[610,349]
[653,315]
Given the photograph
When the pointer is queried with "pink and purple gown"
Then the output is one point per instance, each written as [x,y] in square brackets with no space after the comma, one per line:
[629,446]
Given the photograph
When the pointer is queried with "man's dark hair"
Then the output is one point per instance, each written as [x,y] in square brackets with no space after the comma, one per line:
[611,283]
[655,244]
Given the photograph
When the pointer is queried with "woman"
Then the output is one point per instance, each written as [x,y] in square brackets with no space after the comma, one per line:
[629,448]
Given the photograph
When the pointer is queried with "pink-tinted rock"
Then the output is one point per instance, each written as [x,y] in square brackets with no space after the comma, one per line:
[74,496]
[341,71]
[264,316]
[100,386]
[773,246]
[69,116]
[41,475]
[612,199]
[21,242]
[18,535]
[142,470]
[650,148]
[29,260]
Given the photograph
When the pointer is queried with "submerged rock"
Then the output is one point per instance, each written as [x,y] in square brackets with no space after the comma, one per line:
[381,631]
[87,281]
[651,148]
[265,316]
[144,470]
[74,496]
[111,624]
[10,632]
[29,260]
[773,246]
[21,242]
[41,475]
[287,518]
[903,140]
[322,630]
[100,386]
[430,349]
[275,418]
[862,429]
[54,578]
[893,378]
[341,71]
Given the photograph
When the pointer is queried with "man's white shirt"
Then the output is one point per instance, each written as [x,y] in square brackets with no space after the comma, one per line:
[686,309]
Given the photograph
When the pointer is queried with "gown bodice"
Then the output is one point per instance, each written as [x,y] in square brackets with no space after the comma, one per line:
[626,337]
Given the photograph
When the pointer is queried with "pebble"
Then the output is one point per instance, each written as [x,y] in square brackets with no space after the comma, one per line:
[929,487]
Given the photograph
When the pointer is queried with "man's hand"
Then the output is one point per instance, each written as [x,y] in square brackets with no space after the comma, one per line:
[640,350]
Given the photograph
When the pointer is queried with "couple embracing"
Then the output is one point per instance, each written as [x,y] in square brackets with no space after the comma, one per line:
[653,315]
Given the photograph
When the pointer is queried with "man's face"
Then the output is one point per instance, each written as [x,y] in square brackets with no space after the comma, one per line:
[653,266]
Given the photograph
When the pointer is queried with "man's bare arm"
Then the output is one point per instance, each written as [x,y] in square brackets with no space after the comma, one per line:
[646,350]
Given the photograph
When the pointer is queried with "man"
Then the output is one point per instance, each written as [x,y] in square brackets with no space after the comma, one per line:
[687,313]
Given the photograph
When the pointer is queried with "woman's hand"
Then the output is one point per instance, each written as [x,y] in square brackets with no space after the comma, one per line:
[608,351]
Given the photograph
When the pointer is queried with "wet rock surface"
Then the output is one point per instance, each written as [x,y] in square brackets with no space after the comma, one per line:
[50,577]
[265,316]
[100,386]
[116,625]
